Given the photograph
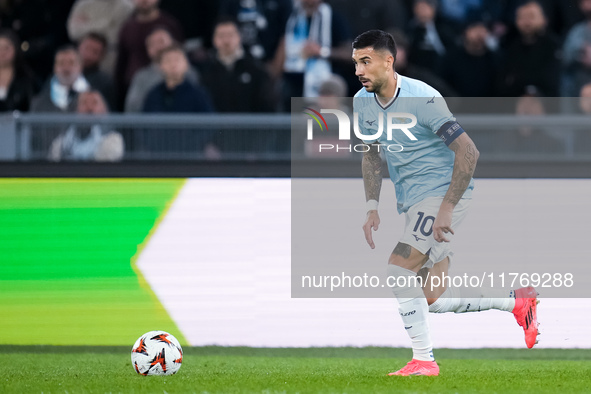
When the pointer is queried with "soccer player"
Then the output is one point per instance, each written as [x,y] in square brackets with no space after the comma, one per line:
[432,176]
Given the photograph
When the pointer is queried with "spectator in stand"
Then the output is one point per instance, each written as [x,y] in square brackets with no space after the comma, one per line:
[232,69]
[532,56]
[577,54]
[132,54]
[332,94]
[532,139]
[60,93]
[405,67]
[428,38]
[317,44]
[177,95]
[560,15]
[41,27]
[585,99]
[16,79]
[261,24]
[104,17]
[88,142]
[471,68]
[92,50]
[526,138]
[148,77]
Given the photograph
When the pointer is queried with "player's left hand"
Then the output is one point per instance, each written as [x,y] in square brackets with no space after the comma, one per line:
[442,225]
[372,222]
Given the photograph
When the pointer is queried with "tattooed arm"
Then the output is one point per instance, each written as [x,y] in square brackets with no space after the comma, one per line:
[464,166]
[371,167]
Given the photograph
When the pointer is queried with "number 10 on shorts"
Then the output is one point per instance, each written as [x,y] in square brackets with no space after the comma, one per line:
[424,224]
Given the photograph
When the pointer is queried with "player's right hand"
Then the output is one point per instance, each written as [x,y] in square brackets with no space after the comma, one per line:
[372,221]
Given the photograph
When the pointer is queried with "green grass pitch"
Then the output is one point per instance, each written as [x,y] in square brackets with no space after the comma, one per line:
[63,369]
[67,260]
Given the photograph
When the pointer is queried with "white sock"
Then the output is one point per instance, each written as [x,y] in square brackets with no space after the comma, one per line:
[461,300]
[414,311]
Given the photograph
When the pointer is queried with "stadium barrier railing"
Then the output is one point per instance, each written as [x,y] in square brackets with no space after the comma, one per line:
[268,137]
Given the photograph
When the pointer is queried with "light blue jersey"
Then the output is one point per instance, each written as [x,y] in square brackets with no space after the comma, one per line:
[418,168]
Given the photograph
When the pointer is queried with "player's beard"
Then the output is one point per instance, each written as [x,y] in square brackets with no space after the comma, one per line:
[376,86]
[372,87]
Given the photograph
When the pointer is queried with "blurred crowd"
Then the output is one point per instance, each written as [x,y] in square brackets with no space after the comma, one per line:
[254,55]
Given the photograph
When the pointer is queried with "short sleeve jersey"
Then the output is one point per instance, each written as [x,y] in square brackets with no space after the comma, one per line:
[418,168]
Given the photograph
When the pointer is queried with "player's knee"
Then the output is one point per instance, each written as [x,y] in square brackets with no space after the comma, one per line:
[407,257]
